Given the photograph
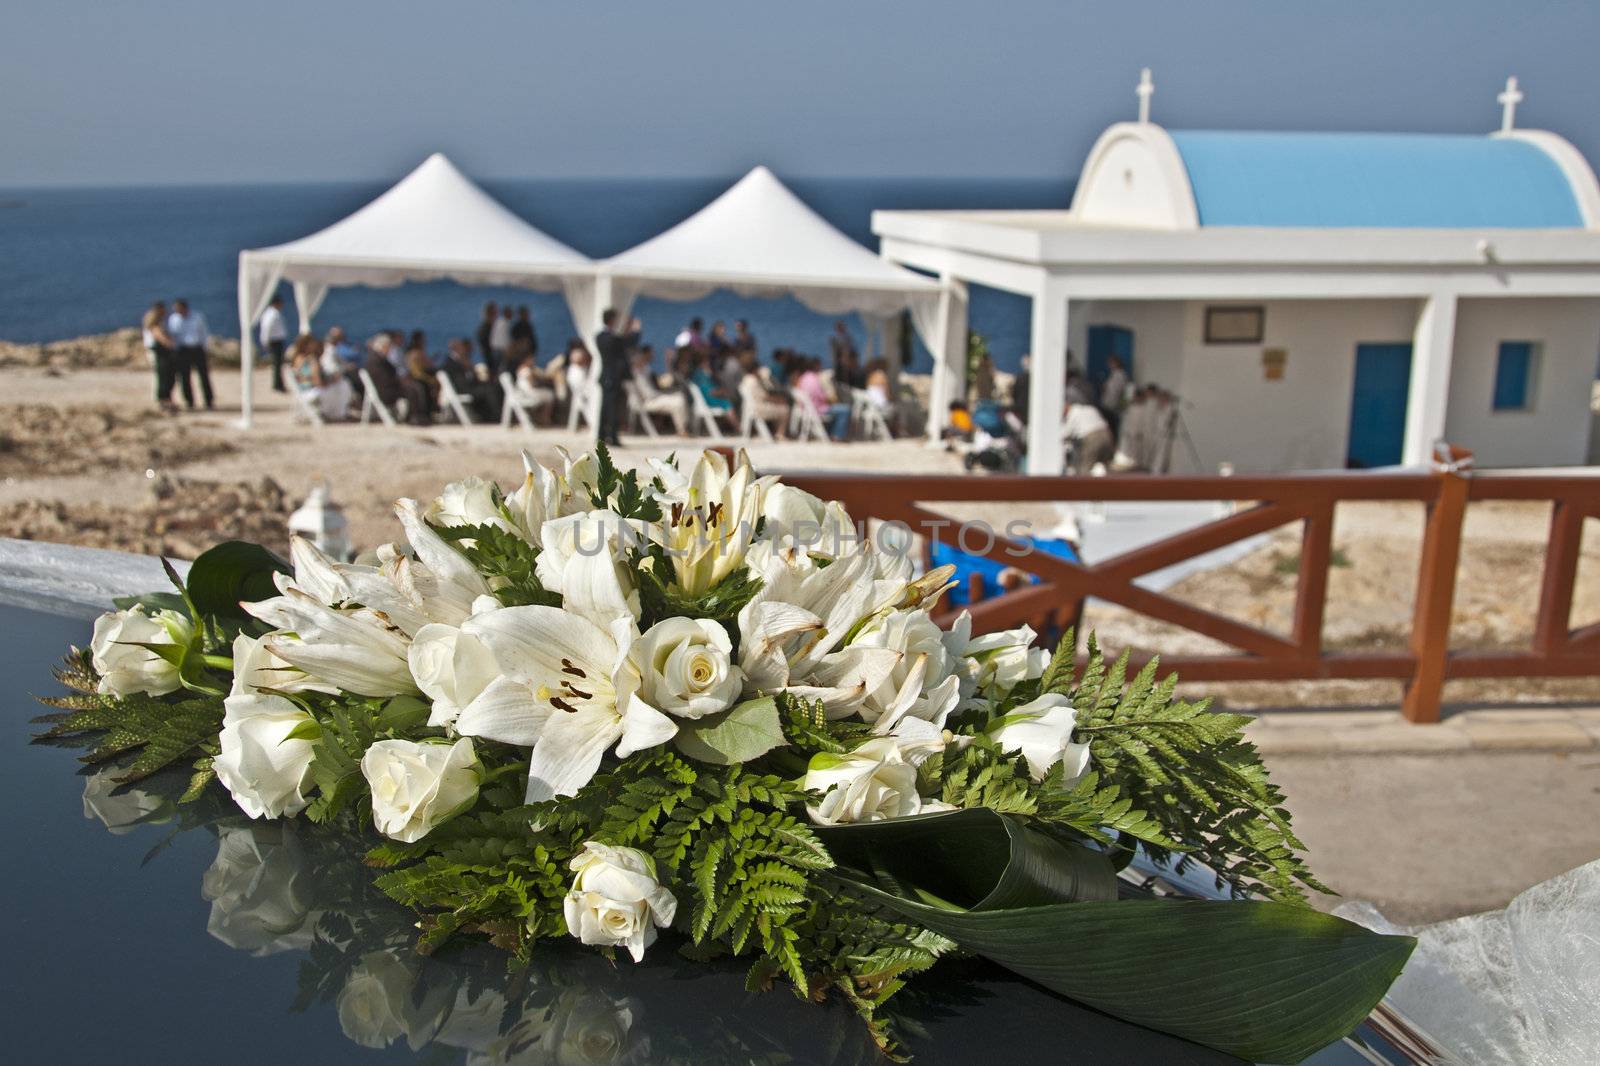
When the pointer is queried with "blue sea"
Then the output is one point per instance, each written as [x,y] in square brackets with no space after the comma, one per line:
[80,261]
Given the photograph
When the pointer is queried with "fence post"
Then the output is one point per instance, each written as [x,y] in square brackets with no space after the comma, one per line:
[1436,588]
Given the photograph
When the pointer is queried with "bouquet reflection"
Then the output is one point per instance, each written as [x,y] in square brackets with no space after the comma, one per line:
[280,887]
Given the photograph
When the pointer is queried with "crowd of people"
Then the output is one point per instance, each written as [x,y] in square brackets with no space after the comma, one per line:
[717,373]
[1109,424]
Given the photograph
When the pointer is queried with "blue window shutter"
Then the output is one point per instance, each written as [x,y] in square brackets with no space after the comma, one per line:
[1511,374]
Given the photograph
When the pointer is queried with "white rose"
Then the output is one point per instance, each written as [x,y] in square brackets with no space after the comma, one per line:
[616,899]
[260,890]
[417,786]
[377,1005]
[468,502]
[686,667]
[869,784]
[592,1029]
[1041,730]
[452,668]
[123,665]
[121,809]
[267,772]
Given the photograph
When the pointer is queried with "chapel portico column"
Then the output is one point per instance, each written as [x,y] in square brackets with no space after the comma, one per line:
[1047,385]
[1428,397]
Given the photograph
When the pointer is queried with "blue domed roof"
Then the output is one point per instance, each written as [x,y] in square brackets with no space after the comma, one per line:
[1379,180]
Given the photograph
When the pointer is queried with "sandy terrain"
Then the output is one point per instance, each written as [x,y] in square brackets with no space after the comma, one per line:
[77,438]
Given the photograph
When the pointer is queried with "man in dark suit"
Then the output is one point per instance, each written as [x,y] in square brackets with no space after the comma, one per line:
[392,388]
[614,348]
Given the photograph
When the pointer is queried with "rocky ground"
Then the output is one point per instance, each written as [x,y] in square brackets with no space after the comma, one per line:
[179,518]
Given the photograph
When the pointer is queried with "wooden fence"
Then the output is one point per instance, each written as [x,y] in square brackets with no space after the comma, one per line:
[1555,649]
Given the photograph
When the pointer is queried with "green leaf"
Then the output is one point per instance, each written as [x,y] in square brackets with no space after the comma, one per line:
[975,859]
[1268,982]
[735,736]
[234,571]
[403,713]
[306,730]
[152,602]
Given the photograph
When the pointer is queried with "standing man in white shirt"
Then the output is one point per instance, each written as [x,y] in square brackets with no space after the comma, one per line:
[190,333]
[274,334]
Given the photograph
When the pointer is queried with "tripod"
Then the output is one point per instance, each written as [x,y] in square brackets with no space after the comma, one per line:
[1176,426]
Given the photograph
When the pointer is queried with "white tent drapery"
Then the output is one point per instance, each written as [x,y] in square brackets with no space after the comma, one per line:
[435,224]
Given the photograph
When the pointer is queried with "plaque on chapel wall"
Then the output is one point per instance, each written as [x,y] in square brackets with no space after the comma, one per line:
[1235,325]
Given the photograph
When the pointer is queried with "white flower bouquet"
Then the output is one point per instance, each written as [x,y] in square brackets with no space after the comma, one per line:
[604,706]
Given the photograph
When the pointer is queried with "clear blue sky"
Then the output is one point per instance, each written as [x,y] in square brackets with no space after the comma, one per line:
[104,92]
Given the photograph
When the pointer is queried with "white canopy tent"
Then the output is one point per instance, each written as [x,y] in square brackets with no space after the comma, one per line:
[760,239]
[435,224]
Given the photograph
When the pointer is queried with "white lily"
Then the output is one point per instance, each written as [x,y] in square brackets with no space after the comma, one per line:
[585,560]
[547,493]
[1041,731]
[707,531]
[353,650]
[995,663]
[798,519]
[585,694]
[924,683]
[791,629]
[256,668]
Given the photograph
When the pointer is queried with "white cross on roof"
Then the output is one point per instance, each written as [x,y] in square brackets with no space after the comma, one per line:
[1508,105]
[1145,90]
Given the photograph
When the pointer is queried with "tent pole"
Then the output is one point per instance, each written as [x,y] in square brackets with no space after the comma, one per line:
[247,354]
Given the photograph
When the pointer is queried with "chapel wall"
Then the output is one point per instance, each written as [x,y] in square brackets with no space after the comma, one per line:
[1554,430]
[1234,411]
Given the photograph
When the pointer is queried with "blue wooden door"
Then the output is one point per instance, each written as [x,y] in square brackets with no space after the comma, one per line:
[1106,341]
[1378,405]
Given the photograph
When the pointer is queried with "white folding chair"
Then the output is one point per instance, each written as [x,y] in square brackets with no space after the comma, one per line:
[307,407]
[751,424]
[582,408]
[515,405]
[370,404]
[870,420]
[804,421]
[637,415]
[701,414]
[453,401]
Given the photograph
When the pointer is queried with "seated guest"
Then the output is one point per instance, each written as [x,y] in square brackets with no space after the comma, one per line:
[960,426]
[419,367]
[719,345]
[340,357]
[1085,429]
[392,388]
[534,389]
[771,407]
[329,392]
[700,379]
[654,401]
[730,376]
[464,378]
[578,371]
[814,391]
[878,391]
